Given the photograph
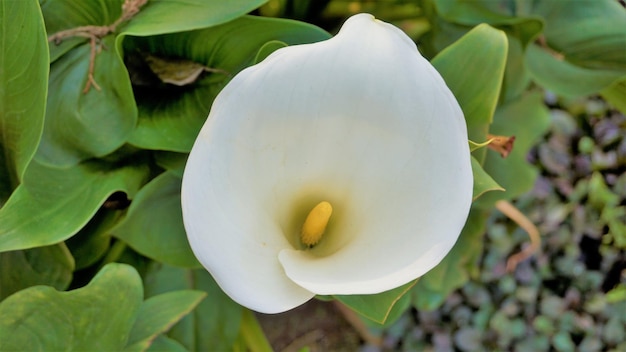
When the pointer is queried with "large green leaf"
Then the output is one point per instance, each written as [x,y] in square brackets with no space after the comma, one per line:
[432,289]
[476,81]
[214,324]
[616,95]
[377,307]
[92,242]
[83,125]
[50,265]
[583,51]
[155,17]
[169,16]
[473,12]
[53,204]
[23,82]
[171,161]
[527,119]
[98,316]
[496,13]
[158,313]
[514,17]
[62,15]
[170,117]
[516,75]
[565,78]
[590,34]
[154,223]
[165,344]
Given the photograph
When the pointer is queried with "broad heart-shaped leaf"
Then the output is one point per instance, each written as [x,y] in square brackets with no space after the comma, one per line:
[513,16]
[81,125]
[171,161]
[98,316]
[517,78]
[585,47]
[155,17]
[214,324]
[62,15]
[616,95]
[452,18]
[432,289]
[169,16]
[527,119]
[163,343]
[158,313]
[267,49]
[565,78]
[154,223]
[483,183]
[473,68]
[170,117]
[377,307]
[93,241]
[473,12]
[50,265]
[23,82]
[590,34]
[53,204]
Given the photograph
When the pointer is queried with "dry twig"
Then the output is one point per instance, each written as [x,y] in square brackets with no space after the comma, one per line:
[520,219]
[95,33]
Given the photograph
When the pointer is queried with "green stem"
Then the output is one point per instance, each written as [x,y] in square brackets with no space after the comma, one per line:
[253,334]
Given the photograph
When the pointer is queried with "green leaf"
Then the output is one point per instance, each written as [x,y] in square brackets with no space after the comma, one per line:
[92,242]
[527,119]
[617,294]
[51,265]
[98,316]
[23,83]
[53,204]
[267,49]
[590,34]
[81,125]
[171,161]
[516,75]
[600,194]
[214,324]
[615,94]
[170,117]
[565,78]
[252,333]
[157,315]
[377,307]
[62,15]
[169,16]
[453,272]
[154,223]
[476,83]
[514,17]
[474,12]
[584,47]
[166,344]
[483,183]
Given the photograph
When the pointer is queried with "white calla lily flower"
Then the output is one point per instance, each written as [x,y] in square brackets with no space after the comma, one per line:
[340,167]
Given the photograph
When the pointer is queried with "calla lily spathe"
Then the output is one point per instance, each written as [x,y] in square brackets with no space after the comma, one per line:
[361,121]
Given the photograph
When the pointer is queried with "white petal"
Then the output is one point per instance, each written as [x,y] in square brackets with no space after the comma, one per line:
[361,120]
[412,178]
[231,234]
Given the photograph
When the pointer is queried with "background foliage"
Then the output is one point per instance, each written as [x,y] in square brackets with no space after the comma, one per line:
[96,123]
